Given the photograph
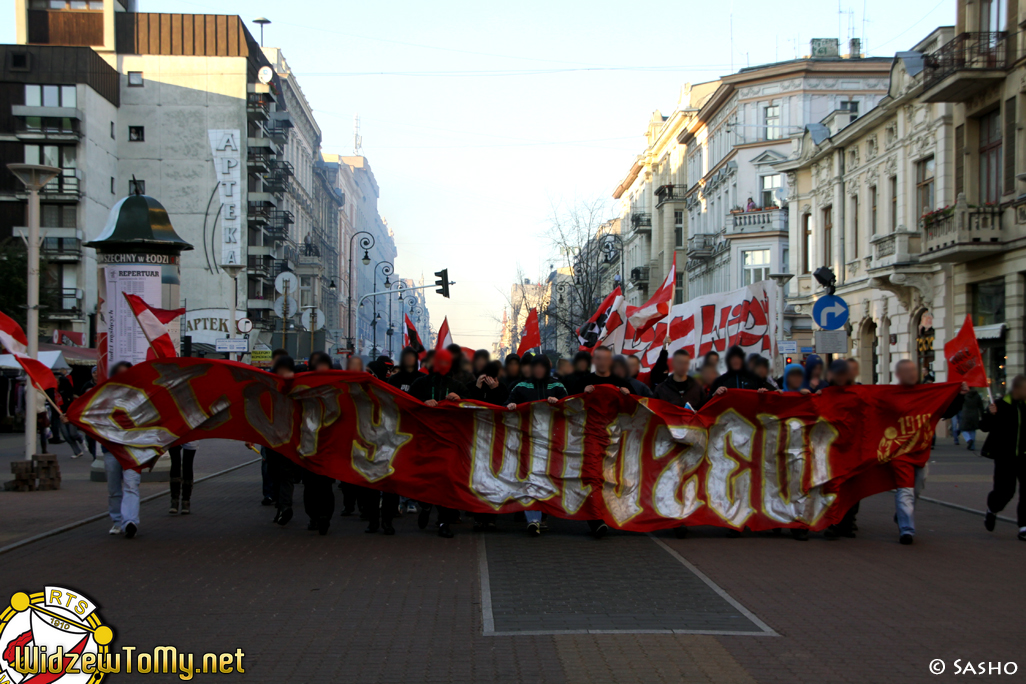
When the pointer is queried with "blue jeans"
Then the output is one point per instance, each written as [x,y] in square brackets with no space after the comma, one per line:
[122,491]
[969,435]
[533,516]
[905,503]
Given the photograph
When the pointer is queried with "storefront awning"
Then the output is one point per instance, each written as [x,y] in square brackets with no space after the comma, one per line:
[990,332]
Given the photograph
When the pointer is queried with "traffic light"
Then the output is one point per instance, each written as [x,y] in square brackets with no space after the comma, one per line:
[442,282]
[789,360]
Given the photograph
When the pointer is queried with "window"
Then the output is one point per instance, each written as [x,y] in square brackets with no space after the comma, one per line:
[678,228]
[305,291]
[678,290]
[769,186]
[1009,142]
[19,61]
[755,266]
[58,215]
[94,5]
[113,191]
[771,122]
[855,227]
[924,185]
[992,15]
[807,251]
[112,136]
[851,106]
[989,302]
[872,209]
[959,160]
[828,240]
[136,133]
[63,157]
[990,157]
[893,182]
[136,187]
[135,79]
[50,96]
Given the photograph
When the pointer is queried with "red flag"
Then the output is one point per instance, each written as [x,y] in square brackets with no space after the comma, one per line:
[607,325]
[13,339]
[411,338]
[154,325]
[965,364]
[444,336]
[532,335]
[658,306]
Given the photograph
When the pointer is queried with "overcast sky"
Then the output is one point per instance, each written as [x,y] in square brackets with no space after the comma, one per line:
[478,116]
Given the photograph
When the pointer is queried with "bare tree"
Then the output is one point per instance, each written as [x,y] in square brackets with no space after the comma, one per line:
[522,297]
[587,247]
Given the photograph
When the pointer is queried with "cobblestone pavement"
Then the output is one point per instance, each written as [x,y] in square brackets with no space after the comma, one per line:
[368,608]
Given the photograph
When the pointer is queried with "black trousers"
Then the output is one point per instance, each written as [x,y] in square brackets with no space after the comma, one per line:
[351,496]
[378,506]
[181,472]
[1006,472]
[281,471]
[318,496]
[445,515]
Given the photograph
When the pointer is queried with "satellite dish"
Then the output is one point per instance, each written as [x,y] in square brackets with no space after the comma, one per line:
[313,319]
[285,309]
[286,277]
[265,74]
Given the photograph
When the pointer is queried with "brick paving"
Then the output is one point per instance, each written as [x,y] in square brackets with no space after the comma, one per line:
[368,608]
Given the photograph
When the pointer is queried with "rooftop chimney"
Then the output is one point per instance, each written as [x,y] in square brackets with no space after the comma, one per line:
[825,48]
[855,49]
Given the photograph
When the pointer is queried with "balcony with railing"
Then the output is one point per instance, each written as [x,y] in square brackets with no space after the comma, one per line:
[61,249]
[899,248]
[701,246]
[260,264]
[961,233]
[670,193]
[641,221]
[965,67]
[258,106]
[639,275]
[772,219]
[61,303]
[48,129]
[259,159]
[63,187]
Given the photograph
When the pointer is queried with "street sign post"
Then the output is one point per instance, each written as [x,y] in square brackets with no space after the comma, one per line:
[830,312]
[787,346]
[831,342]
[244,325]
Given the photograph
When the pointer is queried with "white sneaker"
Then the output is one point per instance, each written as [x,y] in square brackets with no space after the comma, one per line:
[116,529]
[78,455]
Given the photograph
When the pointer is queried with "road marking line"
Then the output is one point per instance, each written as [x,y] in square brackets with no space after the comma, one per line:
[766,629]
[100,516]
[486,589]
[966,509]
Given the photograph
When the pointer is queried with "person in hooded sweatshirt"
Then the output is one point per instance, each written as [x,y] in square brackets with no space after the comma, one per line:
[480,360]
[459,372]
[409,370]
[437,386]
[794,376]
[813,381]
[574,383]
[525,370]
[511,374]
[622,369]
[541,387]
[488,388]
[738,376]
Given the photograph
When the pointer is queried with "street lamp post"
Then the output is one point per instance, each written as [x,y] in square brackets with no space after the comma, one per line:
[386,269]
[33,177]
[366,243]
[233,271]
[781,280]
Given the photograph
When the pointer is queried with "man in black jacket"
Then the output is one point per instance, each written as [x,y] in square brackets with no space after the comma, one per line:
[438,385]
[488,388]
[574,382]
[408,372]
[541,385]
[1006,444]
[603,373]
[737,376]
[680,389]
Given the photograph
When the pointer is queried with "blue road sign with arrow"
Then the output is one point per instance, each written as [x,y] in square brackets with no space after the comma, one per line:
[830,312]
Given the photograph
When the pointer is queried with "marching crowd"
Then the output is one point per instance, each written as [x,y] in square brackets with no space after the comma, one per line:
[449,374]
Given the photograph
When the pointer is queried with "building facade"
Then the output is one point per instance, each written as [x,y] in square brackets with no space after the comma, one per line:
[858,188]
[735,201]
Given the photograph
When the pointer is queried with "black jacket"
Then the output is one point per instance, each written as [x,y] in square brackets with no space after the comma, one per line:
[614,380]
[437,387]
[574,382]
[533,390]
[404,379]
[488,395]
[740,379]
[1007,428]
[681,393]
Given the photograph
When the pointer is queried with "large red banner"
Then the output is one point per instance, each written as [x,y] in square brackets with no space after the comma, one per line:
[761,460]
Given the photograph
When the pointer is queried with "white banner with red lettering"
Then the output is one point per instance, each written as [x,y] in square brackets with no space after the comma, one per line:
[746,317]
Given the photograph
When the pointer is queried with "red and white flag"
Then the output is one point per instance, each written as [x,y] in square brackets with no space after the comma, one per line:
[532,334]
[14,340]
[607,325]
[444,336]
[965,362]
[658,306]
[411,338]
[154,325]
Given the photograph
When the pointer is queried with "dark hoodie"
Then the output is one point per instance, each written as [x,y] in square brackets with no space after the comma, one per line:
[533,389]
[437,386]
[739,379]
[380,367]
[811,364]
[404,378]
[487,394]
